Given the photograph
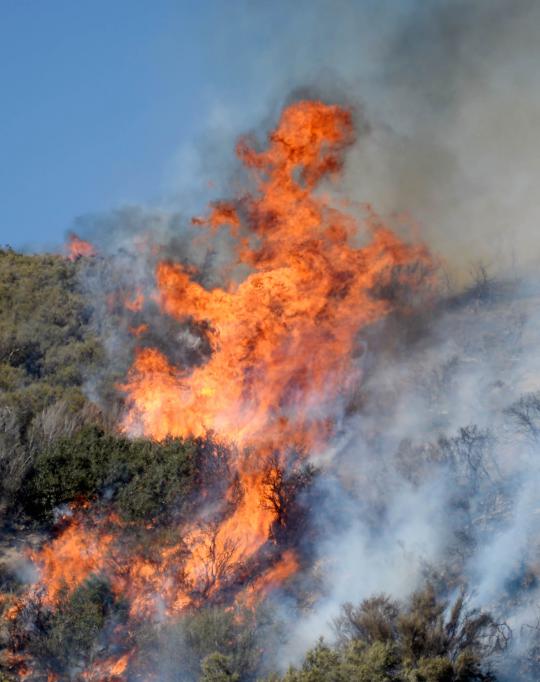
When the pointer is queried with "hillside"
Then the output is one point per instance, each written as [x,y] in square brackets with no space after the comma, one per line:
[58,449]
[47,349]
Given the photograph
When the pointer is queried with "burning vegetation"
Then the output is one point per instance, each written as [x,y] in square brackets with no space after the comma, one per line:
[169,526]
[79,248]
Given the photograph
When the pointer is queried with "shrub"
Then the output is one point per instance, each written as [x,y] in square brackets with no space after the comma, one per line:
[77,630]
[422,641]
[47,348]
[143,478]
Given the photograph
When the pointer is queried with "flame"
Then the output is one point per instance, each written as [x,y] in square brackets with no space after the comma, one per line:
[273,577]
[283,344]
[89,545]
[79,551]
[78,248]
[282,339]
[139,330]
[109,670]
[135,303]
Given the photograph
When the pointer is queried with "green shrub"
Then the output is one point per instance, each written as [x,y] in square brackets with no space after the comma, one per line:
[233,636]
[218,668]
[214,644]
[72,636]
[44,323]
[422,641]
[47,349]
[143,478]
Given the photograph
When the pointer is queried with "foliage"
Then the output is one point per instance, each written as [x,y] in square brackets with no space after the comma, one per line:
[45,333]
[218,668]
[213,644]
[56,448]
[47,349]
[424,641]
[143,478]
[225,642]
[65,639]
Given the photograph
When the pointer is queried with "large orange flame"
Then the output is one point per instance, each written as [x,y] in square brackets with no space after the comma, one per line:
[283,341]
[283,338]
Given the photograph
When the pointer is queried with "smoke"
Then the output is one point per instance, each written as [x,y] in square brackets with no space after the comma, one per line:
[458,148]
[450,90]
[437,477]
[433,477]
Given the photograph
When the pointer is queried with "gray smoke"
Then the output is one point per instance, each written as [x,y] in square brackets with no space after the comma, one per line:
[438,477]
[437,474]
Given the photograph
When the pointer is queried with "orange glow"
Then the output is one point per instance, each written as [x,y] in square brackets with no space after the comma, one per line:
[136,303]
[139,330]
[275,576]
[120,665]
[69,559]
[90,546]
[282,339]
[109,670]
[78,248]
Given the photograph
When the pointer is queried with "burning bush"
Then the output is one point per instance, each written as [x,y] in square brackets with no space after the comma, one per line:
[66,639]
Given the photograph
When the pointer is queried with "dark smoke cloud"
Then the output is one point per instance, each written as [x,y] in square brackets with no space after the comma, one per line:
[455,139]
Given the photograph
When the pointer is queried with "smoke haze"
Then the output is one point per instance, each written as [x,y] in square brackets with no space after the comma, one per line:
[430,475]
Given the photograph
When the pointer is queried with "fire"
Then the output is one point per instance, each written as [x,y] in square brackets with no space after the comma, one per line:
[109,670]
[136,303]
[78,552]
[139,330]
[282,339]
[78,248]
[283,345]
[275,576]
[92,546]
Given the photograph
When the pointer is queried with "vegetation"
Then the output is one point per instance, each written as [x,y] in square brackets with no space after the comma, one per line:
[47,348]
[46,341]
[380,640]
[57,448]
[143,478]
[225,643]
[70,637]
[423,641]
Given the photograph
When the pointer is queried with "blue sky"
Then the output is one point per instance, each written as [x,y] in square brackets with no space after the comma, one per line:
[102,102]
[107,103]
